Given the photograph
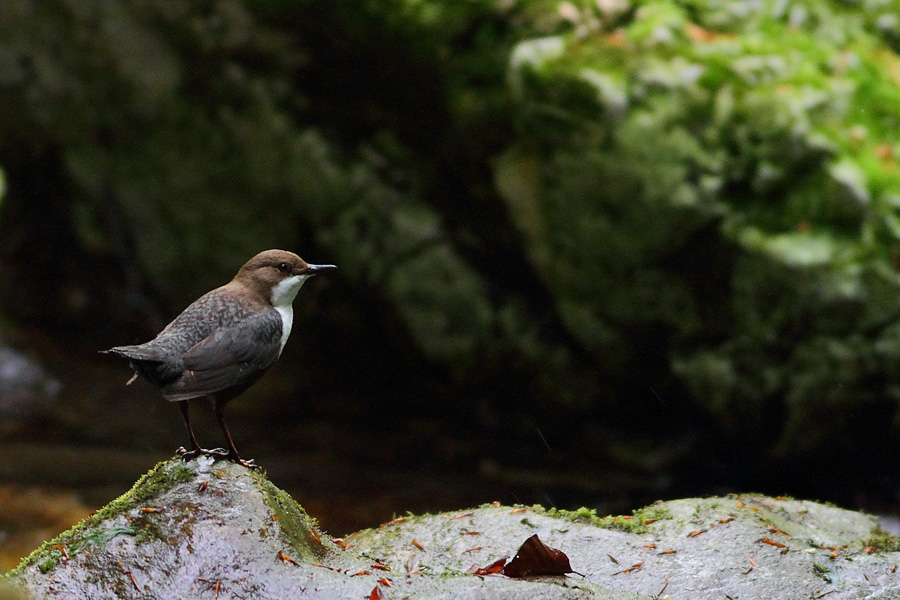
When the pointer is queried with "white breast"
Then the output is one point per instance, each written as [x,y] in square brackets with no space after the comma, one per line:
[283,295]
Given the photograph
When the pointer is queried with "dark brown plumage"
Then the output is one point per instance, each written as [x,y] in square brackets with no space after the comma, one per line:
[225,340]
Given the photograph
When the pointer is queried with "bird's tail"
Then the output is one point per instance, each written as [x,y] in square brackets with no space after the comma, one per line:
[135,353]
[137,356]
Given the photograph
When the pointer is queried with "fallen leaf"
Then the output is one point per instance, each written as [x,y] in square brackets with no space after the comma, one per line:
[771,542]
[376,594]
[696,532]
[416,543]
[285,558]
[494,567]
[660,592]
[393,522]
[534,558]
[631,569]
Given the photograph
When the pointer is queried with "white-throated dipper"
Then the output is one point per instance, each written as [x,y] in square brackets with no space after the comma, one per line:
[225,340]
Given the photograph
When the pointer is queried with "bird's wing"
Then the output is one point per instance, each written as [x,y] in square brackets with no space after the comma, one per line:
[230,357]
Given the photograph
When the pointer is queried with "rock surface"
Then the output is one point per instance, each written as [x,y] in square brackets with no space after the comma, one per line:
[218,530]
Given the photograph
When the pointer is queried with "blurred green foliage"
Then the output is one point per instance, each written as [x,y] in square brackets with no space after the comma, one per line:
[564,199]
[725,174]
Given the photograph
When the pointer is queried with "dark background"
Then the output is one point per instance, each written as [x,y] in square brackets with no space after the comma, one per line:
[588,255]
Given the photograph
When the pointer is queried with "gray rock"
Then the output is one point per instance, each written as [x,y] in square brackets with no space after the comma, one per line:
[728,547]
[215,529]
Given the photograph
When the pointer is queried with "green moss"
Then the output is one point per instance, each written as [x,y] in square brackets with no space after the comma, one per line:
[881,541]
[160,478]
[48,565]
[638,522]
[297,525]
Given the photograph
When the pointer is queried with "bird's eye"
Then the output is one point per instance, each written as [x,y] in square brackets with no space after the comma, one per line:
[283,267]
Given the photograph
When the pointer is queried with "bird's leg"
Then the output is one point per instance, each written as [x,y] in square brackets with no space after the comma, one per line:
[195,450]
[233,455]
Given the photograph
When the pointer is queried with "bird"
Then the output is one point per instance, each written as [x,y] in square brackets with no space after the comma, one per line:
[224,341]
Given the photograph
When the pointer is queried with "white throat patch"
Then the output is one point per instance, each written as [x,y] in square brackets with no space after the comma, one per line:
[283,295]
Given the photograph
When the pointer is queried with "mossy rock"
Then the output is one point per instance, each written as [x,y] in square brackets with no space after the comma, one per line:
[190,529]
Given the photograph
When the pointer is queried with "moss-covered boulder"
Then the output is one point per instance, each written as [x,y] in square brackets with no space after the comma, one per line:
[181,529]
[746,546]
[715,184]
[217,529]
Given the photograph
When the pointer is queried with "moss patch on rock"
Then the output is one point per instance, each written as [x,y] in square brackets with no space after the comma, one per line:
[84,534]
[300,528]
[637,522]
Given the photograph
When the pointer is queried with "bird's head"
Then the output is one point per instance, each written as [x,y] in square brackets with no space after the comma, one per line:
[277,275]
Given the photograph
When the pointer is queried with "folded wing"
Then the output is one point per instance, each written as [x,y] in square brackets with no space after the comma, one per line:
[228,360]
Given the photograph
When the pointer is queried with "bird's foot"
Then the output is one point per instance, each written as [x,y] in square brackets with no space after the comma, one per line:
[244,463]
[187,455]
[215,453]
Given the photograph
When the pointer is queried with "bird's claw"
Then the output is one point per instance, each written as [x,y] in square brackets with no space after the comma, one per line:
[244,463]
[216,453]
[187,455]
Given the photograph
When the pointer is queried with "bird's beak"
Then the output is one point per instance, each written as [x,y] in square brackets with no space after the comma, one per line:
[313,269]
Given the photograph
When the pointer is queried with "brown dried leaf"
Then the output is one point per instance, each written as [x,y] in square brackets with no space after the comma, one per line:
[631,569]
[494,567]
[534,558]
[393,522]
